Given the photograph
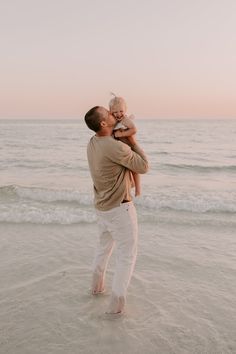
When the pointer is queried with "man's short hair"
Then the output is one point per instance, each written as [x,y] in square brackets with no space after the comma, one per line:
[93,119]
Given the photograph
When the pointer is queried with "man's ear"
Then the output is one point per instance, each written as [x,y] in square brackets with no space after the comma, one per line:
[103,123]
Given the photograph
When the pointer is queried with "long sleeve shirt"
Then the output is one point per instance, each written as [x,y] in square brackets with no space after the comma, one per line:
[110,162]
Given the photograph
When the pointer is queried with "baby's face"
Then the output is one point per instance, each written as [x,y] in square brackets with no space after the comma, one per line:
[118,112]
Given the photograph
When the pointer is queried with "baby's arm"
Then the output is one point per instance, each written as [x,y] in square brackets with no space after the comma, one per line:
[131,129]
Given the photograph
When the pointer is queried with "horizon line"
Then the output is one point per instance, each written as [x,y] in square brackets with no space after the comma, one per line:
[136,118]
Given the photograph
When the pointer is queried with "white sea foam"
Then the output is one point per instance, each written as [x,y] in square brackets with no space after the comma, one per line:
[45,206]
[189,203]
[46,195]
[179,201]
[45,215]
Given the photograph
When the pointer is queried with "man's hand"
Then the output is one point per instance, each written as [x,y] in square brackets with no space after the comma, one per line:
[118,134]
[129,140]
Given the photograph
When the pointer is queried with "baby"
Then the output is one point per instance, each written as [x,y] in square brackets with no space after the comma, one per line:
[124,128]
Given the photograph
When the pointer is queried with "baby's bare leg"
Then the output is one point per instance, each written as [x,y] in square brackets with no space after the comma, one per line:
[137,184]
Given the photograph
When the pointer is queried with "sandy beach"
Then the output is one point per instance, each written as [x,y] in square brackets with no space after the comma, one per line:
[182,297]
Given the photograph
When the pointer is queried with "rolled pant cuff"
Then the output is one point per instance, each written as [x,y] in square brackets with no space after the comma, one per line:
[117,304]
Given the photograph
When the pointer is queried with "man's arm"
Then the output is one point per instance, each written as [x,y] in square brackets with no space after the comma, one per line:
[131,129]
[125,133]
[131,157]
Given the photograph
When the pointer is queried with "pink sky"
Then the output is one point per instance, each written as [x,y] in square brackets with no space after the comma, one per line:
[169,59]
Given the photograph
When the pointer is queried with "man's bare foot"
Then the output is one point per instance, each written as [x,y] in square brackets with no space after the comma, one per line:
[114,315]
[98,292]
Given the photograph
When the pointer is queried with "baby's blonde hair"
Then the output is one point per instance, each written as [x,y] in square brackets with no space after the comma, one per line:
[117,102]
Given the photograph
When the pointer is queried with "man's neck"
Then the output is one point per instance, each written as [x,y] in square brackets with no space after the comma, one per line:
[104,132]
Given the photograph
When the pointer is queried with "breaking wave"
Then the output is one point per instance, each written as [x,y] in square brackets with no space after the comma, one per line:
[48,206]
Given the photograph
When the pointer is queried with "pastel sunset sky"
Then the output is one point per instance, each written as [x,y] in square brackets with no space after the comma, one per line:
[168,58]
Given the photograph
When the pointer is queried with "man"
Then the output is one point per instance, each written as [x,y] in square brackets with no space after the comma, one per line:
[110,162]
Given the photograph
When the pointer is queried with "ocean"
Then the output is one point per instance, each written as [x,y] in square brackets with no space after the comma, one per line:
[182,296]
[45,177]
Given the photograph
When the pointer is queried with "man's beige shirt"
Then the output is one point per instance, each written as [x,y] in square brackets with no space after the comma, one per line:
[110,162]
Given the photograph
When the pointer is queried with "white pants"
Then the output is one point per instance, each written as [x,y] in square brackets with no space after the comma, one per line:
[116,226]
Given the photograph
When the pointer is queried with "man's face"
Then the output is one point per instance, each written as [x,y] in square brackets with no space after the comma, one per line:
[111,120]
[108,117]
